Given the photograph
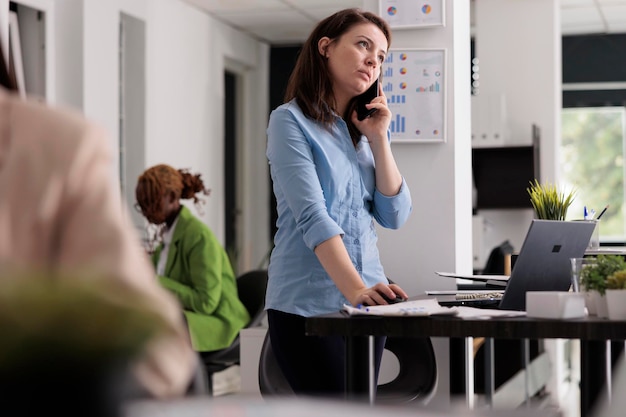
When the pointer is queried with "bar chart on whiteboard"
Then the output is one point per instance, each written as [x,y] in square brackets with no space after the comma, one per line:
[414,84]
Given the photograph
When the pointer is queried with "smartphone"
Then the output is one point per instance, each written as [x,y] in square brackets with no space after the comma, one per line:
[361,111]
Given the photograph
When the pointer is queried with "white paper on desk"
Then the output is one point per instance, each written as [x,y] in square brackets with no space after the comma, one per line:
[457,292]
[474,277]
[428,307]
[486,313]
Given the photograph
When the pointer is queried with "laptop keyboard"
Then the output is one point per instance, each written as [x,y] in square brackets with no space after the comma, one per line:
[496,295]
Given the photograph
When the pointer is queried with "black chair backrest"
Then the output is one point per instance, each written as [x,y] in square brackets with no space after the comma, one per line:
[417,376]
[416,380]
[251,288]
[272,381]
[495,262]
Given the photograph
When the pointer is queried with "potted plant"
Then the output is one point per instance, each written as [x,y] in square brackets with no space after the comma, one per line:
[69,345]
[616,296]
[548,202]
[594,281]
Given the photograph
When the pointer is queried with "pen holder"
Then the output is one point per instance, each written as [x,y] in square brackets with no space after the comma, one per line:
[594,242]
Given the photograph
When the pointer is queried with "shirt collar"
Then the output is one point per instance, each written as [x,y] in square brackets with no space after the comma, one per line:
[168,232]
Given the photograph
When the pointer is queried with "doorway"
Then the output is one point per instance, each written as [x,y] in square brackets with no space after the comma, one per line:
[231,210]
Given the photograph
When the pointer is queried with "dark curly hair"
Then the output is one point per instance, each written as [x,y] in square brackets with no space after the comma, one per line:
[161,179]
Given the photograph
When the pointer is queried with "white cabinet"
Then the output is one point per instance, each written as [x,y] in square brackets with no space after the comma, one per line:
[489,120]
[479,257]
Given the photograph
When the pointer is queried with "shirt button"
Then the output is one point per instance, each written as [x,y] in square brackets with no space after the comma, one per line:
[354,213]
[358,268]
[356,241]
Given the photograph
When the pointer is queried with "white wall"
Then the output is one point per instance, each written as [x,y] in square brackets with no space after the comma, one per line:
[68,30]
[518,44]
[437,236]
[101,62]
[186,55]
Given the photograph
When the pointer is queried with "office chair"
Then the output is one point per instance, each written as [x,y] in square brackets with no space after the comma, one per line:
[495,264]
[417,376]
[416,380]
[251,288]
[272,381]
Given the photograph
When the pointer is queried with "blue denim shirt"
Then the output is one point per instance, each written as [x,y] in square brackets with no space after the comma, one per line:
[324,187]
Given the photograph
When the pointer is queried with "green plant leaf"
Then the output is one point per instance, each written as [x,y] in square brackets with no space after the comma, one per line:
[596,277]
[548,202]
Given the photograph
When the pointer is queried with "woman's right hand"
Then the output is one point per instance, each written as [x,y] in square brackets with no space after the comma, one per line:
[374,295]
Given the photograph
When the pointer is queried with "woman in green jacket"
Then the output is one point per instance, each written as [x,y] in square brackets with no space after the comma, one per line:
[189,261]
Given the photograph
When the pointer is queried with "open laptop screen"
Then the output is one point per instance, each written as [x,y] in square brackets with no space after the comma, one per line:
[543,263]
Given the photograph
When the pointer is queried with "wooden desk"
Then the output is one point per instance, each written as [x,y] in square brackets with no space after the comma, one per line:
[358,329]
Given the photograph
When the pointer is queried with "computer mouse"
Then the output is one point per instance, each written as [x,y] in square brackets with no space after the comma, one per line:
[398,299]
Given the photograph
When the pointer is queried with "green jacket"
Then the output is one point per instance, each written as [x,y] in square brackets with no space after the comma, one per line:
[199,273]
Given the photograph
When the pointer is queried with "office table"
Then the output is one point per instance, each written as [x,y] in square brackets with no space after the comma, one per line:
[358,329]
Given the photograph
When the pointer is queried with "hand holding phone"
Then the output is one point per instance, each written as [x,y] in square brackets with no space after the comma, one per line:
[361,111]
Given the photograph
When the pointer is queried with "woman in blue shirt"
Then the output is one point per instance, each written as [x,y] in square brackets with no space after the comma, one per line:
[333,175]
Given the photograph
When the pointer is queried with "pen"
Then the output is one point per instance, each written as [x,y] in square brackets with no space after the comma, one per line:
[585,213]
[602,212]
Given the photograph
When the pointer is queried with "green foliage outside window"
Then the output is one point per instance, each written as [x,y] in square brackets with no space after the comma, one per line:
[592,161]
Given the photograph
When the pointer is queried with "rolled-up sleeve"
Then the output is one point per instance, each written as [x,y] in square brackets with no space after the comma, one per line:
[296,179]
[393,211]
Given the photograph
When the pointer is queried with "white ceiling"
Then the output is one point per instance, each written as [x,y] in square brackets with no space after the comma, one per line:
[291,21]
[592,16]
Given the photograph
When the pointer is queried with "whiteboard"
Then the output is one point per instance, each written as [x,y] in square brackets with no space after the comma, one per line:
[414,82]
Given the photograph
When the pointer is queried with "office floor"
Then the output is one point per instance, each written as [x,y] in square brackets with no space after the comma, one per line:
[228,384]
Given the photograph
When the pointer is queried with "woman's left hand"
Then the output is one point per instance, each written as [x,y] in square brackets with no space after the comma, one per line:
[375,126]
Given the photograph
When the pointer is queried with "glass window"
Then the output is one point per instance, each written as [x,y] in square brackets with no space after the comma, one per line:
[592,162]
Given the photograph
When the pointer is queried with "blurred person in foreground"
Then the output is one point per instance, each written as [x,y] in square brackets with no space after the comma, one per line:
[61,216]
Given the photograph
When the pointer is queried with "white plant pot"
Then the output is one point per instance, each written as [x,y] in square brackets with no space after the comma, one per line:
[596,304]
[616,304]
[590,303]
[601,308]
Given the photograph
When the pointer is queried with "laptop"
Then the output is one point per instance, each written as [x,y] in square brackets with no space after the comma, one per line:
[543,263]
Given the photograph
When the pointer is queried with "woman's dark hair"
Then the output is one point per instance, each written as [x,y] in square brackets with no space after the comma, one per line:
[6,79]
[310,82]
